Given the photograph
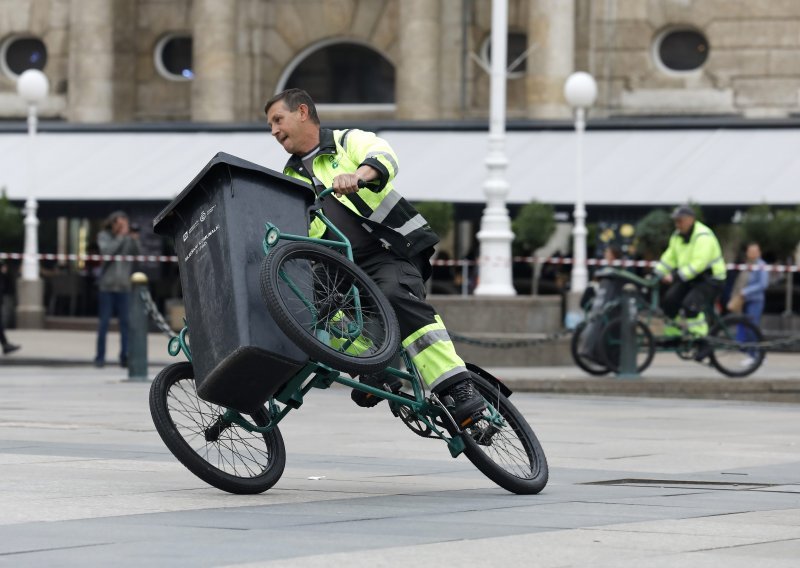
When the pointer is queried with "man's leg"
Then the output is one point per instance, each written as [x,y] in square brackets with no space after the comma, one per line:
[671,304]
[104,316]
[701,295]
[122,302]
[425,337]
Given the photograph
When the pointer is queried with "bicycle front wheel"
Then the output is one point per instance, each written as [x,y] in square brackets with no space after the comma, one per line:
[329,307]
[222,454]
[734,358]
[504,448]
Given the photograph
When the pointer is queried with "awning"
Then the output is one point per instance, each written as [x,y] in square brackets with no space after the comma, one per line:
[622,167]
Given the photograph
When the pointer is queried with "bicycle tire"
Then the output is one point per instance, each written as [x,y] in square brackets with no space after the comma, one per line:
[182,419]
[610,345]
[298,277]
[533,472]
[753,334]
[591,367]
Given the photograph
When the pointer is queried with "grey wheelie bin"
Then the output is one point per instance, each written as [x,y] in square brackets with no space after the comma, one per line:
[240,356]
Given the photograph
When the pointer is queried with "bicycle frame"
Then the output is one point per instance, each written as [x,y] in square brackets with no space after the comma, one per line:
[652,306]
[430,411]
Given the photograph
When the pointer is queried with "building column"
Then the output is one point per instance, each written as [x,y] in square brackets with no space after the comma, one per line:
[91,61]
[551,25]
[214,60]
[418,72]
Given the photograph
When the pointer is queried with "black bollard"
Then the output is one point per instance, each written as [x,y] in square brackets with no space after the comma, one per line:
[628,347]
[137,330]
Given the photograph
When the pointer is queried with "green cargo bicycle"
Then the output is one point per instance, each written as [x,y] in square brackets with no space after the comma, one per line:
[275,317]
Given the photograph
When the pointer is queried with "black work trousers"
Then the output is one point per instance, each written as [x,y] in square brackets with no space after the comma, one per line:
[400,280]
[692,295]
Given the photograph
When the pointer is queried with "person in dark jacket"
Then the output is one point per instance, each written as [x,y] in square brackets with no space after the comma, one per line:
[114,282]
[7,346]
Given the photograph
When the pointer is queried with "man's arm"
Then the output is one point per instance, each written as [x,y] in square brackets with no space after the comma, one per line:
[666,264]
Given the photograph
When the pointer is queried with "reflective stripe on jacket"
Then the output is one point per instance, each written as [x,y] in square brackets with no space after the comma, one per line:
[692,257]
[383,211]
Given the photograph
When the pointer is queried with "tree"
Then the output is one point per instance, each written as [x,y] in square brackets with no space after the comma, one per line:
[777,232]
[533,227]
[652,234]
[438,214]
[11,226]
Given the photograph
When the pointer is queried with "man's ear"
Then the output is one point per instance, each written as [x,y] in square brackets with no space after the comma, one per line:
[303,110]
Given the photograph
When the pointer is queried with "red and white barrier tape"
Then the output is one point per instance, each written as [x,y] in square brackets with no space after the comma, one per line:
[485,261]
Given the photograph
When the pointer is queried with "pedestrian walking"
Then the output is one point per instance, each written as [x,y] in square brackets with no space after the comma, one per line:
[7,346]
[753,293]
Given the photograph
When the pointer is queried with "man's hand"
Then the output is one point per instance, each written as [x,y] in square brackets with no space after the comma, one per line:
[346,183]
[667,279]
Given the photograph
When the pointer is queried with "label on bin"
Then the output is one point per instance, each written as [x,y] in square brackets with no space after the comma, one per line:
[203,214]
[202,243]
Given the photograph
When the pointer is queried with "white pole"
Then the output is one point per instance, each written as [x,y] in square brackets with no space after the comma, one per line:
[495,235]
[32,86]
[580,275]
[30,259]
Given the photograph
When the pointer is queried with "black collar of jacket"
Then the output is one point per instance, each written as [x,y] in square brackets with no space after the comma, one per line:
[327,145]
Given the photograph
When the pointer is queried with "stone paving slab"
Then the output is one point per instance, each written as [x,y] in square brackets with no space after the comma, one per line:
[634,482]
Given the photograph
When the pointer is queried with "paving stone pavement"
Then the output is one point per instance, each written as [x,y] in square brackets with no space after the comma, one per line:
[634,482]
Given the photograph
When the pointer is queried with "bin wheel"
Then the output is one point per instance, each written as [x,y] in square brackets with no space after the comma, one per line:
[329,307]
[611,349]
[220,453]
[588,365]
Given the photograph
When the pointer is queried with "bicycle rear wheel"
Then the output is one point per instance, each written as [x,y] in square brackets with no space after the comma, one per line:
[506,450]
[329,307]
[223,455]
[735,360]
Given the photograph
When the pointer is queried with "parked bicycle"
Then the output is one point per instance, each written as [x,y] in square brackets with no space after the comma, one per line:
[596,344]
[331,309]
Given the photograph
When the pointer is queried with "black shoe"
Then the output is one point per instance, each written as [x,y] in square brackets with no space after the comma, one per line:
[123,362]
[704,349]
[9,348]
[99,364]
[464,402]
[379,381]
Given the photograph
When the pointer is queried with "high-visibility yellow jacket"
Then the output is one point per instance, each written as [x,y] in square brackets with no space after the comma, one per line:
[693,255]
[381,209]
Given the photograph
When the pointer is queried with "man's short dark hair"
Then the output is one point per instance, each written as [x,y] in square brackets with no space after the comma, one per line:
[293,98]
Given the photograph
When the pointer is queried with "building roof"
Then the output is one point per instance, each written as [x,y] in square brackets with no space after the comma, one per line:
[623,166]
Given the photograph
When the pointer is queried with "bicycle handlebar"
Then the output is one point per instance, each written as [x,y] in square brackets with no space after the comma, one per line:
[328,190]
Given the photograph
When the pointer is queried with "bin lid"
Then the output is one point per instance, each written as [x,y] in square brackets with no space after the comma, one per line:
[232,161]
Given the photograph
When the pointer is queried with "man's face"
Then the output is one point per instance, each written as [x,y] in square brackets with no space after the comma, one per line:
[290,128]
[684,223]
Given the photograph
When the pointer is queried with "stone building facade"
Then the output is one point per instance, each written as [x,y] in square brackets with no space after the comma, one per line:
[424,59]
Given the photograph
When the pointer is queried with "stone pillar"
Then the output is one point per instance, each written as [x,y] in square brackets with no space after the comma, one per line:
[91,61]
[551,25]
[214,60]
[418,72]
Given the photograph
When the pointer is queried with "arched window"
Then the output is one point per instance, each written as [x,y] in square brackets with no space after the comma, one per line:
[173,57]
[680,50]
[342,73]
[516,46]
[20,53]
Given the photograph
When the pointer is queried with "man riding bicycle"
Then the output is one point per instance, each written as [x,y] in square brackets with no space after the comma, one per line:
[390,240]
[694,257]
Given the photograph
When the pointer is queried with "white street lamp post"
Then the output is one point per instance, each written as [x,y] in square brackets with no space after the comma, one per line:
[32,86]
[580,91]
[495,235]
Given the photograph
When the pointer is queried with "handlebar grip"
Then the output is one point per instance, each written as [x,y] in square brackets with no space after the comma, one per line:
[329,190]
